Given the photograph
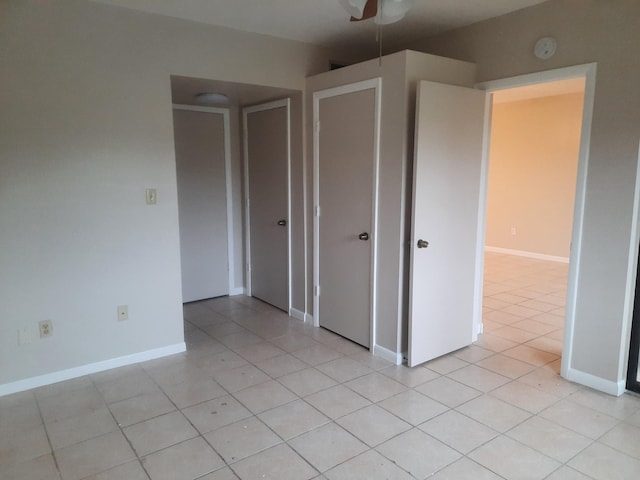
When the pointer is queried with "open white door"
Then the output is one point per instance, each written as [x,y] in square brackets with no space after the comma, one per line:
[446,198]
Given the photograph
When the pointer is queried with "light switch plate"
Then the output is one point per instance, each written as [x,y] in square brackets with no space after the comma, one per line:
[151,196]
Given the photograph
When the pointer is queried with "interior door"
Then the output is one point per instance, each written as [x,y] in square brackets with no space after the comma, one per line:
[267,170]
[202,205]
[346,141]
[446,198]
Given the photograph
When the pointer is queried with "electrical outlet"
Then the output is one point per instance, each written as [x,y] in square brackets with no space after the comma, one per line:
[514,231]
[46,328]
[123,312]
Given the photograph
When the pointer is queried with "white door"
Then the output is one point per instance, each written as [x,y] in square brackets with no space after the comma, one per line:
[266,130]
[446,199]
[346,157]
[202,203]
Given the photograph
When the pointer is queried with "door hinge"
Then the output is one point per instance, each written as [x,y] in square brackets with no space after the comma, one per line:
[317,212]
[316,290]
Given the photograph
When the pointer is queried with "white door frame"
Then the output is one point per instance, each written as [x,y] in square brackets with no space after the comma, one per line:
[228,183]
[588,72]
[286,103]
[376,85]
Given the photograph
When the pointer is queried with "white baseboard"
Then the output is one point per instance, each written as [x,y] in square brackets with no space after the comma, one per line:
[597,383]
[297,314]
[308,318]
[236,291]
[522,253]
[388,355]
[61,375]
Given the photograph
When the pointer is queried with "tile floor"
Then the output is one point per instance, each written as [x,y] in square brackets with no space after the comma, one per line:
[261,396]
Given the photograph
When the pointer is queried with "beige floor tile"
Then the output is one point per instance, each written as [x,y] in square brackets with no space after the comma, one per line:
[72,430]
[446,364]
[373,425]
[128,386]
[116,373]
[293,419]
[277,463]
[556,321]
[19,410]
[337,401]
[530,355]
[306,382]
[625,438]
[583,420]
[93,456]
[478,378]
[264,396]
[502,317]
[368,359]
[604,463]
[137,409]
[66,386]
[367,466]
[546,344]
[621,407]
[465,469]
[41,468]
[418,453]
[511,459]
[448,392]
[23,444]
[222,474]
[489,341]
[506,366]
[70,404]
[259,351]
[242,439]
[409,377]
[513,334]
[293,341]
[193,392]
[533,326]
[281,365]
[549,382]
[227,360]
[222,329]
[128,471]
[240,339]
[473,353]
[413,407]
[327,446]
[494,413]
[216,413]
[240,378]
[186,461]
[549,438]
[316,354]
[521,310]
[524,396]
[159,432]
[178,372]
[376,387]
[344,369]
[567,473]
[458,431]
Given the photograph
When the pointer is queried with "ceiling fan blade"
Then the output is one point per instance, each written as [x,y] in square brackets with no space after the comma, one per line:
[370,11]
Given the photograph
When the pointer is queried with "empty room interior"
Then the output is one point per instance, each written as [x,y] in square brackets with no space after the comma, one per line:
[349,239]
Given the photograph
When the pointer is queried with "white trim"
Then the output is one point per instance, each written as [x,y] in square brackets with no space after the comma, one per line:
[376,85]
[523,253]
[283,103]
[297,314]
[588,71]
[597,383]
[236,291]
[630,290]
[228,183]
[61,375]
[308,318]
[390,356]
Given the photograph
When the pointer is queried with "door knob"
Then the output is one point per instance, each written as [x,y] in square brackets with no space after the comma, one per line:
[364,236]
[282,223]
[423,243]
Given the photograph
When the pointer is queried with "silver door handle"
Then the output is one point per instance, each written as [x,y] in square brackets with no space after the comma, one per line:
[282,223]
[364,236]
[423,243]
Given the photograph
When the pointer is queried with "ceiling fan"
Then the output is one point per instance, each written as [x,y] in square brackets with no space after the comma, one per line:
[382,11]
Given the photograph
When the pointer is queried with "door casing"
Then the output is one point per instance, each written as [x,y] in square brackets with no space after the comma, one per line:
[283,103]
[376,85]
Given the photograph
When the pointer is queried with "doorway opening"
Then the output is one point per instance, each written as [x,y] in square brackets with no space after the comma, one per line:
[533,165]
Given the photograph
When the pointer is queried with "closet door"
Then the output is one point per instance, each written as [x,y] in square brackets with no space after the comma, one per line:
[446,198]
[346,157]
[202,207]
[266,130]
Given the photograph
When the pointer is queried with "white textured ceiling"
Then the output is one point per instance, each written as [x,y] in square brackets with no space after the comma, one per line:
[325,22]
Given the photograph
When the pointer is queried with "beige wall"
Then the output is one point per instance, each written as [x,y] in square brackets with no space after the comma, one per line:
[85,127]
[587,31]
[532,174]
